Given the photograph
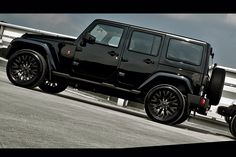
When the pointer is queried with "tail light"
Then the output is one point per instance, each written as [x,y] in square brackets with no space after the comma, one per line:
[202,102]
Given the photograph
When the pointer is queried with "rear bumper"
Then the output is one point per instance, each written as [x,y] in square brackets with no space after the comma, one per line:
[195,101]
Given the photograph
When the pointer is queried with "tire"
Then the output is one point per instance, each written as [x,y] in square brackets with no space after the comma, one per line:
[57,85]
[185,115]
[26,68]
[232,126]
[228,119]
[164,104]
[215,86]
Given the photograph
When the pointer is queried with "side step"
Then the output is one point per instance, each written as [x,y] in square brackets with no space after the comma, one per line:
[103,84]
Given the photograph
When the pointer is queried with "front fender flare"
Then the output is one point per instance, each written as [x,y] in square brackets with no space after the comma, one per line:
[50,61]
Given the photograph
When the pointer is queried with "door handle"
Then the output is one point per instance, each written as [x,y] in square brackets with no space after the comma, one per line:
[113,53]
[148,61]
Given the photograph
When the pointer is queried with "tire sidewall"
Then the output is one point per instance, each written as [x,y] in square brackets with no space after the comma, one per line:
[232,126]
[62,85]
[185,115]
[228,119]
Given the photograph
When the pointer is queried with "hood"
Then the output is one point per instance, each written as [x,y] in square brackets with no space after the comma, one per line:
[47,38]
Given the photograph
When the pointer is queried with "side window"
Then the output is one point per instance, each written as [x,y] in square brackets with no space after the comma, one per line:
[144,43]
[107,35]
[186,52]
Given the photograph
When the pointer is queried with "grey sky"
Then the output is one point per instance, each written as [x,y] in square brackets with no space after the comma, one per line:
[217,29]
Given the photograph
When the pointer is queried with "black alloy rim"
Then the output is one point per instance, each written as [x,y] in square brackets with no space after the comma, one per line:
[24,68]
[164,104]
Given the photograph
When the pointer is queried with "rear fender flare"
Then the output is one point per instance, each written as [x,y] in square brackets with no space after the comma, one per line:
[163,74]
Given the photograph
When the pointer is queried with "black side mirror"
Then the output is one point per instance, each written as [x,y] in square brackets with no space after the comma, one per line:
[87,38]
[211,53]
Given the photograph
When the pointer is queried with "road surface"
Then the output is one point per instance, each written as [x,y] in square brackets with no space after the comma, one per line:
[33,119]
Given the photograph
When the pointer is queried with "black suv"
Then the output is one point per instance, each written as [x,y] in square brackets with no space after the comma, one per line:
[168,73]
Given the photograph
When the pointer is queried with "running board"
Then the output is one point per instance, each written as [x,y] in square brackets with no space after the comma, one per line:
[103,84]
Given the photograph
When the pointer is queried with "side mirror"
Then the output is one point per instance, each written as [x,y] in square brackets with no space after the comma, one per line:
[211,53]
[87,38]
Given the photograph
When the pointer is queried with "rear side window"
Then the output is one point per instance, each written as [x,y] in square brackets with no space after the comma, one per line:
[186,52]
[107,35]
[145,43]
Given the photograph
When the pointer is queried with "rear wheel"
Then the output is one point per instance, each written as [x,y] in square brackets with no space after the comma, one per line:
[26,68]
[185,115]
[165,104]
[56,85]
[216,85]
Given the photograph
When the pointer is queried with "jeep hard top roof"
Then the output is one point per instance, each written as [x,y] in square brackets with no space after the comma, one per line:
[153,30]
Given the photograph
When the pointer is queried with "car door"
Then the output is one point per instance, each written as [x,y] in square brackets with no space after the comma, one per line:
[140,57]
[99,61]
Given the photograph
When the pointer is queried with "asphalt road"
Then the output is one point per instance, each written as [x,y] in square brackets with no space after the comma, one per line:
[33,119]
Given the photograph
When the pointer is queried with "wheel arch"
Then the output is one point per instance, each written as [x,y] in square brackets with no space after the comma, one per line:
[180,82]
[42,48]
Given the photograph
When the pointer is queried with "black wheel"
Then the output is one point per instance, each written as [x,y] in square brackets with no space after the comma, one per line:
[56,85]
[228,119]
[165,104]
[185,115]
[26,68]
[216,85]
[232,126]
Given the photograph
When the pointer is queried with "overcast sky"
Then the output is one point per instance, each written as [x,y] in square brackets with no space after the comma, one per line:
[217,29]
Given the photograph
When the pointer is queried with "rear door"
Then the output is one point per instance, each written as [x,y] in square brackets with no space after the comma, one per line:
[140,58]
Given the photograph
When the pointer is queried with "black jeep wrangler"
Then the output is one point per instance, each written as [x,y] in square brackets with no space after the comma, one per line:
[168,73]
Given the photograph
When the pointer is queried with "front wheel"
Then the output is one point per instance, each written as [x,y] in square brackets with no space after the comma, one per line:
[228,119]
[165,104]
[232,126]
[56,85]
[26,68]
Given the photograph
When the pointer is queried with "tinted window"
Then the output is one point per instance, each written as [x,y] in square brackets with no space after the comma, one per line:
[186,52]
[107,35]
[144,43]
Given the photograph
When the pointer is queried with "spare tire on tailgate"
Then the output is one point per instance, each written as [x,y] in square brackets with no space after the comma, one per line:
[215,87]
